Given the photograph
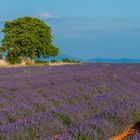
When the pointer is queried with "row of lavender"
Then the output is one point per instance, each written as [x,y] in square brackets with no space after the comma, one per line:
[77,102]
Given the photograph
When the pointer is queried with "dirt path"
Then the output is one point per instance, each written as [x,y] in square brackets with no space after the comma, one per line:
[126,133]
[49,64]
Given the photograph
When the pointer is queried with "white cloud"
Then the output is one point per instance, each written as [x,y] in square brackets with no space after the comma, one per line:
[46,16]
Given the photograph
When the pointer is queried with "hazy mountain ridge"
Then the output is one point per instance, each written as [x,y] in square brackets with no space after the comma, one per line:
[113,60]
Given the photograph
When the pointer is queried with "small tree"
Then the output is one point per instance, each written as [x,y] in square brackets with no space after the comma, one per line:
[27,37]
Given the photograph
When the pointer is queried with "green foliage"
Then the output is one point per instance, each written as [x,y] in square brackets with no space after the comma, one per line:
[40,62]
[54,61]
[13,59]
[67,60]
[0,55]
[75,61]
[27,37]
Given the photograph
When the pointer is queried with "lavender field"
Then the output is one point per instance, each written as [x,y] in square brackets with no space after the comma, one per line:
[75,102]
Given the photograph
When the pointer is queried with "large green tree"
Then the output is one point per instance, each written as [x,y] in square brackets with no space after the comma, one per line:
[27,37]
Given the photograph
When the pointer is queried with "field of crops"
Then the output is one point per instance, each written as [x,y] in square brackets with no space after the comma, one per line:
[73,102]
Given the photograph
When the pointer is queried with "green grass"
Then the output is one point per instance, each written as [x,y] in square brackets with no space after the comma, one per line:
[39,107]
[10,117]
[31,134]
[64,118]
[82,137]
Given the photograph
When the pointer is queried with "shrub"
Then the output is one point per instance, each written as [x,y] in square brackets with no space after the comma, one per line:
[54,61]
[40,62]
[15,60]
[0,55]
[66,60]
[74,61]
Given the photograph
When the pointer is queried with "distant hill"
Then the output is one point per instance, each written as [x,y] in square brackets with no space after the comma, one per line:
[110,60]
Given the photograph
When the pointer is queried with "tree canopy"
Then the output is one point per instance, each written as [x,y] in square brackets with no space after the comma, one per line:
[27,37]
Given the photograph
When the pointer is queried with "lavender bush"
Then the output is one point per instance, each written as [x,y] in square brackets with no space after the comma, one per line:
[73,102]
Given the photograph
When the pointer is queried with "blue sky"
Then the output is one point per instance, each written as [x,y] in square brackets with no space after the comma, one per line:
[85,28]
